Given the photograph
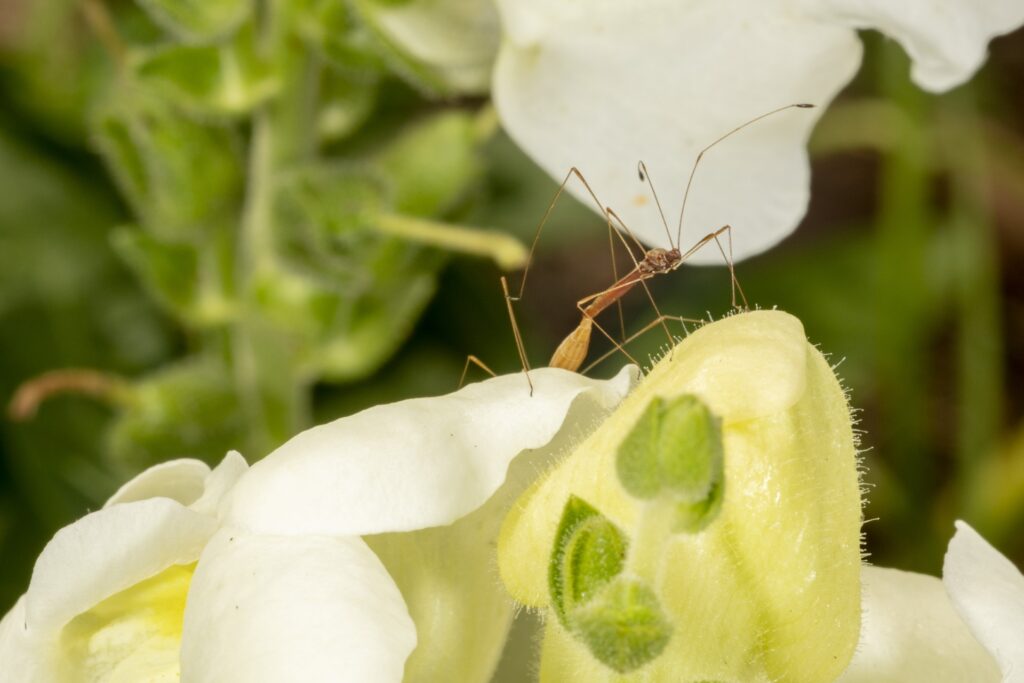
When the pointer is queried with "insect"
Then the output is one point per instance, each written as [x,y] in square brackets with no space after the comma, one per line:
[572,351]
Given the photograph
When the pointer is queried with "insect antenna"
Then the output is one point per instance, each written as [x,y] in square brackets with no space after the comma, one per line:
[700,155]
[641,170]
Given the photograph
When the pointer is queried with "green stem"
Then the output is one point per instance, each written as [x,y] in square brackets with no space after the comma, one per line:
[508,252]
[272,390]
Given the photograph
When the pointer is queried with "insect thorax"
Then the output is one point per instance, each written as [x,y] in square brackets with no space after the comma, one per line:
[659,260]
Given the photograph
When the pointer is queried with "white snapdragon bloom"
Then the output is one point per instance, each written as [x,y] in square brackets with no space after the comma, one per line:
[602,83]
[262,574]
[135,592]
[966,627]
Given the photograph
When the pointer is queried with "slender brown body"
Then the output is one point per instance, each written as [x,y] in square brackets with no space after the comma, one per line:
[571,353]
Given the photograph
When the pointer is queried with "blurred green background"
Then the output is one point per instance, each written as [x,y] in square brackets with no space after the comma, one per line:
[141,237]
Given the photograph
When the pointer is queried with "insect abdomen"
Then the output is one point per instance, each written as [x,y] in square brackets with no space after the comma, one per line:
[571,353]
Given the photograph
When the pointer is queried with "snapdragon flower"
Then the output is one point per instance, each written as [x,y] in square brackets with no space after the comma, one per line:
[263,574]
[709,530]
[600,84]
[364,549]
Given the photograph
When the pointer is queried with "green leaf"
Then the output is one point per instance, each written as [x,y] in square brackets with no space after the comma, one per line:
[624,627]
[351,293]
[341,283]
[180,176]
[168,270]
[589,552]
[198,21]
[229,79]
[345,105]
[332,29]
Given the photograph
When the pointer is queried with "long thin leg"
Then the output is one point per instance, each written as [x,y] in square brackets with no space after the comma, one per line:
[660,320]
[732,270]
[600,329]
[515,333]
[657,311]
[632,236]
[471,359]
[735,283]
[615,276]
[601,209]
[612,230]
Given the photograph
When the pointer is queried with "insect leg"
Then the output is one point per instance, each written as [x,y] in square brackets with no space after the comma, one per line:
[515,333]
[660,320]
[473,360]
[728,259]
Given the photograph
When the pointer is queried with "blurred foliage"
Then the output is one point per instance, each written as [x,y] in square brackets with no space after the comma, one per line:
[263,221]
[65,301]
[252,217]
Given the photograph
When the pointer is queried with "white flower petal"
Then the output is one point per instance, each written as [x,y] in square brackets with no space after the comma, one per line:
[108,551]
[23,654]
[180,480]
[947,39]
[910,633]
[988,591]
[290,608]
[413,464]
[446,575]
[600,88]
[221,480]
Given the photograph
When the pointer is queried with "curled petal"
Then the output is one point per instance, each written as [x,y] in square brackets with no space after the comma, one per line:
[413,464]
[108,551]
[188,481]
[988,592]
[218,482]
[289,608]
[180,480]
[947,39]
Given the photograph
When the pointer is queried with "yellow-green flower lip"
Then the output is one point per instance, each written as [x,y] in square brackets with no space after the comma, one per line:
[770,590]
